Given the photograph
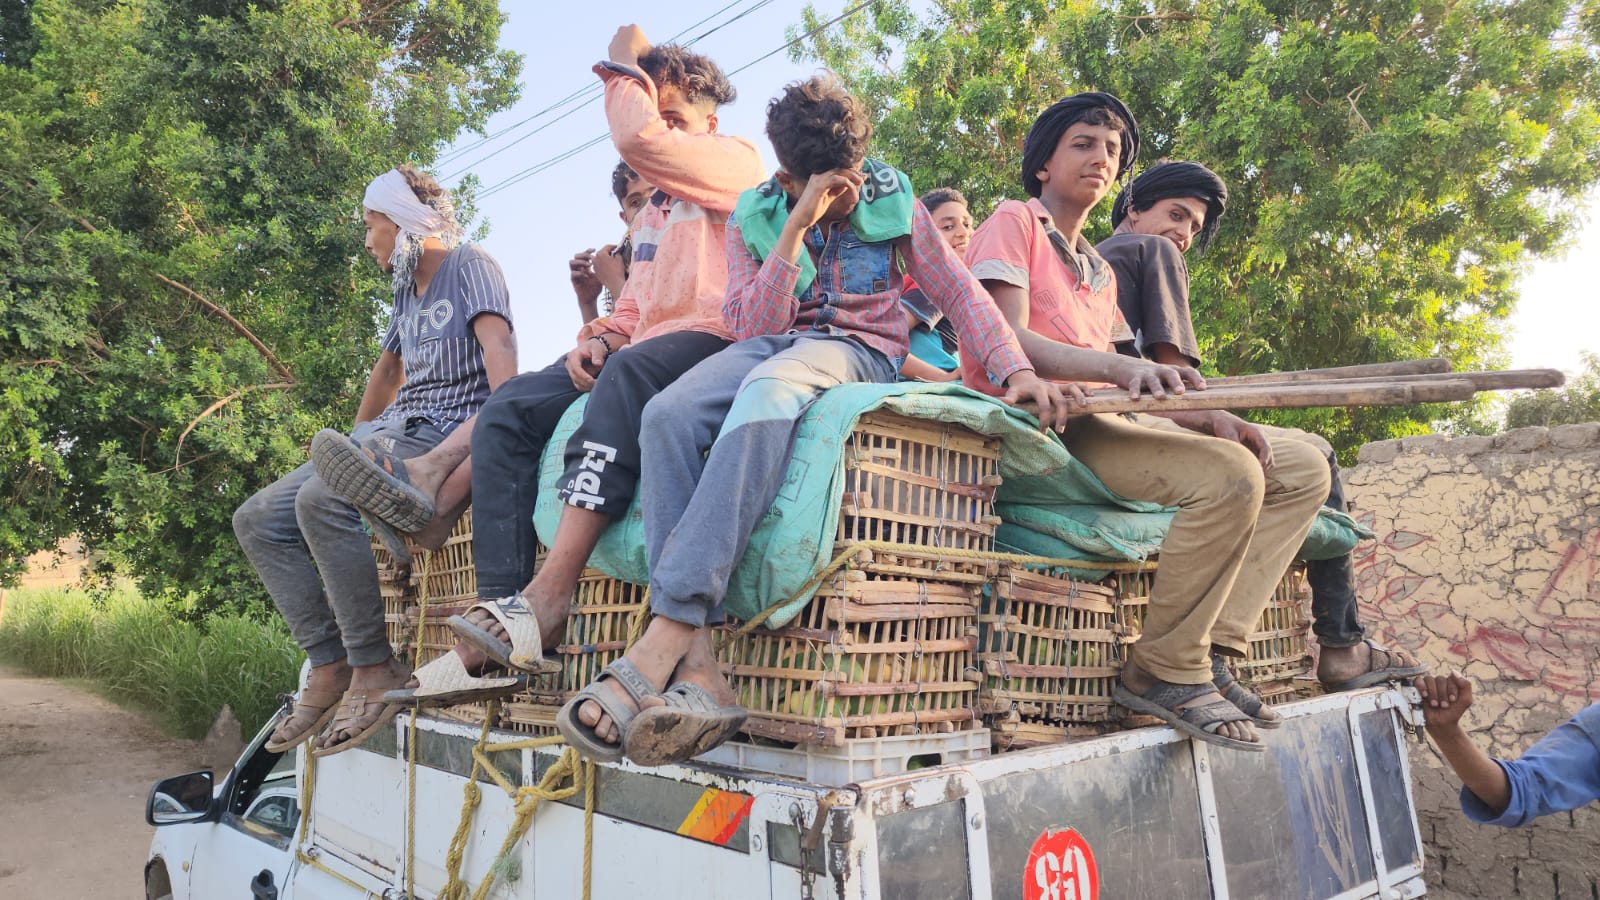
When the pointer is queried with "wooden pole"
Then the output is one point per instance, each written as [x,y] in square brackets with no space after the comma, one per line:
[1514,379]
[1286,396]
[1370,370]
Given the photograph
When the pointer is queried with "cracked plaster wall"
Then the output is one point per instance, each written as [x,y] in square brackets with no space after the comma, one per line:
[1488,560]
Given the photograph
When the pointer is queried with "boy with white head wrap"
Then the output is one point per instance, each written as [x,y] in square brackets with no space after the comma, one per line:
[447,346]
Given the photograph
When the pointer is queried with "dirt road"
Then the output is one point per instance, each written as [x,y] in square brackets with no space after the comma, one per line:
[74,773]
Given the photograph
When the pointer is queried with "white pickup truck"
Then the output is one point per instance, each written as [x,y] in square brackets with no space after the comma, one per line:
[1326,813]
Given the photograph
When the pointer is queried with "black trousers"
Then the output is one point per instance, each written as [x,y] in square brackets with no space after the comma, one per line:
[1335,619]
[602,457]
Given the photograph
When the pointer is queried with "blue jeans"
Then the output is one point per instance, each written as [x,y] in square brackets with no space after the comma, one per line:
[717,448]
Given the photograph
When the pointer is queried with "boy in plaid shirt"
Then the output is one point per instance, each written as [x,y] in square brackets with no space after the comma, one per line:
[813,289]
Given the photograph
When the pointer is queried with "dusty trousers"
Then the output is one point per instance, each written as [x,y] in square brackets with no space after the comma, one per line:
[1236,531]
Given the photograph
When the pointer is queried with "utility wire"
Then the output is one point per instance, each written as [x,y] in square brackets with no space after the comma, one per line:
[589,91]
[535,169]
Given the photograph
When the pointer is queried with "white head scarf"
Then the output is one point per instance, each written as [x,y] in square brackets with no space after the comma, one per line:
[391,195]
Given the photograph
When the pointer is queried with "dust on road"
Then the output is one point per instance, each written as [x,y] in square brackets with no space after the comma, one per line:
[74,773]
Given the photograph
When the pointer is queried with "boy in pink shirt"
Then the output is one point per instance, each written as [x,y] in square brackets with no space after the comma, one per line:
[1245,502]
[661,103]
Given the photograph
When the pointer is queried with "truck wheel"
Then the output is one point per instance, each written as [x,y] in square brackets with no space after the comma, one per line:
[157,886]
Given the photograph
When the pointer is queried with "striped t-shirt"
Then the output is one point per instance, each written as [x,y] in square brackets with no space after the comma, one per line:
[445,379]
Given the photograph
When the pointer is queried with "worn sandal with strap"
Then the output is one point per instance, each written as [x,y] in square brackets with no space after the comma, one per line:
[371,478]
[691,723]
[1201,722]
[1383,665]
[583,738]
[392,541]
[524,650]
[1248,701]
[362,708]
[308,713]
[446,682]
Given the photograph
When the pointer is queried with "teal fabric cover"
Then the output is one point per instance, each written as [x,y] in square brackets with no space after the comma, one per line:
[1052,504]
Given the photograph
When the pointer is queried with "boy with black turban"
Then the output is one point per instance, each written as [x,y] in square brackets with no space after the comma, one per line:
[1172,206]
[1244,504]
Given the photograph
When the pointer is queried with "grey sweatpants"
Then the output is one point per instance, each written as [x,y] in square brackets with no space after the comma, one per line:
[700,508]
[295,530]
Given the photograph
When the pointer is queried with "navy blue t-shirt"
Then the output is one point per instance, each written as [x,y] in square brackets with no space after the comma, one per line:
[445,378]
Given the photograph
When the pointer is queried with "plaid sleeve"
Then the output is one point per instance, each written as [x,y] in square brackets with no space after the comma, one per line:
[956,291]
[760,298]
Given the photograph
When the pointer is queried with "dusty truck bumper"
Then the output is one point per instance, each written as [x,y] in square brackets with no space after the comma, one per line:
[1326,812]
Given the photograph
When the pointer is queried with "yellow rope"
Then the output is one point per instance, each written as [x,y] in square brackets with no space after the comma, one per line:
[454,888]
[409,884]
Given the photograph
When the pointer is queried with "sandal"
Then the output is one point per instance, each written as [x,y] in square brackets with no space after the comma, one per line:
[1248,701]
[1379,670]
[524,651]
[399,550]
[580,736]
[372,479]
[691,723]
[446,682]
[362,708]
[1199,722]
[313,709]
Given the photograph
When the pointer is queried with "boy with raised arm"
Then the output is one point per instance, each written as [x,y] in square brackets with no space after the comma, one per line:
[661,103]
[1244,503]
[813,283]
[1170,207]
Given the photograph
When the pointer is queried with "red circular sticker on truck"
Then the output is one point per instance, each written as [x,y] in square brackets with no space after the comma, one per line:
[1061,867]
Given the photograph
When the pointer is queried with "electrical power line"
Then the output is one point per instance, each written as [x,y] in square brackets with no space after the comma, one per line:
[535,169]
[589,92]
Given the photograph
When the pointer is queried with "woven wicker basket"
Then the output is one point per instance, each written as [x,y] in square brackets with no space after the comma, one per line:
[1049,647]
[921,483]
[871,656]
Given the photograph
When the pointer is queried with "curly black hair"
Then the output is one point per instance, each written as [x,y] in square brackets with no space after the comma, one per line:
[697,77]
[620,176]
[421,183]
[816,126]
[938,197]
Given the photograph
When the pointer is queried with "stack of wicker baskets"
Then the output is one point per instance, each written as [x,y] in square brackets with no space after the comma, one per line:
[918,633]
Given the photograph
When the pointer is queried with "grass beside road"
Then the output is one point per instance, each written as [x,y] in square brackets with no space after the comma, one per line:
[142,652]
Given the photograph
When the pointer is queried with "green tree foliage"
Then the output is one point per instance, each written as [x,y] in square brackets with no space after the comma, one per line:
[1391,163]
[1578,402]
[183,294]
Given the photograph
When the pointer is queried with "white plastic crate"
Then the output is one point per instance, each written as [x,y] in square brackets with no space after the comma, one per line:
[859,758]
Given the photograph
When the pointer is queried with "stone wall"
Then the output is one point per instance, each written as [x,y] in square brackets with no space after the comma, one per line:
[1488,560]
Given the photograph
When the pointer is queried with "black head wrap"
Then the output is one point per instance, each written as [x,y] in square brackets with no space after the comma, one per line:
[1175,179]
[1047,130]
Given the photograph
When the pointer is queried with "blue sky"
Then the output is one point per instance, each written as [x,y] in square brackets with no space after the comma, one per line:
[539,222]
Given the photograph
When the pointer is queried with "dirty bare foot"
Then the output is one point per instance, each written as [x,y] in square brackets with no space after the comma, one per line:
[1364,665]
[657,654]
[314,706]
[1140,682]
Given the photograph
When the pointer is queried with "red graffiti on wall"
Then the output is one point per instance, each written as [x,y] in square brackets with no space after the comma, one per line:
[1551,646]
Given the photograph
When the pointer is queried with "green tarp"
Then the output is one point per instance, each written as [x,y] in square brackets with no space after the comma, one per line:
[1051,503]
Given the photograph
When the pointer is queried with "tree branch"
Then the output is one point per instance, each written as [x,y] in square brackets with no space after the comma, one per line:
[235,324]
[210,307]
[274,386]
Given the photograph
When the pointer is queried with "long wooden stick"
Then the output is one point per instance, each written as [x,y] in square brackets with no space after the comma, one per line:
[1370,370]
[1513,379]
[1288,396]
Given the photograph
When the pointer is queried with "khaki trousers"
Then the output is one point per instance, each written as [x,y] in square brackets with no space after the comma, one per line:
[1236,531]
